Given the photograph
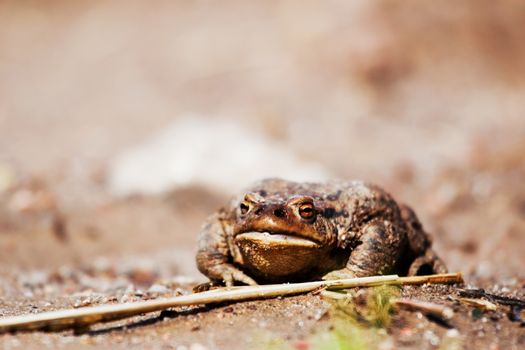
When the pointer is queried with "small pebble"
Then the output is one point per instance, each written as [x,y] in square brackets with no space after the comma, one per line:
[82,303]
[387,344]
[406,332]
[476,314]
[158,289]
[452,333]
[197,346]
[125,298]
[432,338]
[515,314]
[302,345]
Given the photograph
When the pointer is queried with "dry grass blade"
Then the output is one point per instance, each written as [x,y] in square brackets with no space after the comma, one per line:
[478,303]
[84,317]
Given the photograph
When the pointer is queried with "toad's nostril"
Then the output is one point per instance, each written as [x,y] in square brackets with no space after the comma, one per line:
[279,213]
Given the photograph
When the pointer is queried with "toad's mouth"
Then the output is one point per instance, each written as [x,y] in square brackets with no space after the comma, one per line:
[267,238]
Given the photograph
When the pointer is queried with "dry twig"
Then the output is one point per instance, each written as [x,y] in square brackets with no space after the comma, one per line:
[480,293]
[436,310]
[84,317]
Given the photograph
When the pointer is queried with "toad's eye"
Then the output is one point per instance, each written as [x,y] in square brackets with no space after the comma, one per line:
[307,211]
[244,208]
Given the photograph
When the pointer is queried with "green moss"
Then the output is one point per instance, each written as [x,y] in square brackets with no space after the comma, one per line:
[267,341]
[380,306]
[357,321]
[341,337]
[367,307]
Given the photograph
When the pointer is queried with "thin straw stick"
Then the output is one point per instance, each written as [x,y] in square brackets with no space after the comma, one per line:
[84,317]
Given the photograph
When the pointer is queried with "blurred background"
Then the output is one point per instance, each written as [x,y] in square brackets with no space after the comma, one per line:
[123,124]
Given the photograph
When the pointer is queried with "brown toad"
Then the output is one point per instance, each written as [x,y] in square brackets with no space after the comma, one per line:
[282,231]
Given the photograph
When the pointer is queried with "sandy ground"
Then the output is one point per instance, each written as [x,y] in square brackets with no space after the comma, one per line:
[429,106]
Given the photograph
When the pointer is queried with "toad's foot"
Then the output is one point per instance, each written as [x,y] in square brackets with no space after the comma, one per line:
[229,274]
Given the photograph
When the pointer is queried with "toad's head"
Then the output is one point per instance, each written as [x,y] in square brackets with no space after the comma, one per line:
[282,237]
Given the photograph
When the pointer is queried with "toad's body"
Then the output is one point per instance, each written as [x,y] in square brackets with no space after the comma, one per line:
[282,231]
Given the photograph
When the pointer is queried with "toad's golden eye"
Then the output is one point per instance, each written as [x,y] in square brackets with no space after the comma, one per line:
[307,211]
[244,208]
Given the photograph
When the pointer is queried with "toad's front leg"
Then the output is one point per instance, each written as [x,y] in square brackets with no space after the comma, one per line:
[214,258]
[379,252]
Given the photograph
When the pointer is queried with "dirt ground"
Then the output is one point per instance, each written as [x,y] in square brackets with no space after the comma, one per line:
[424,100]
